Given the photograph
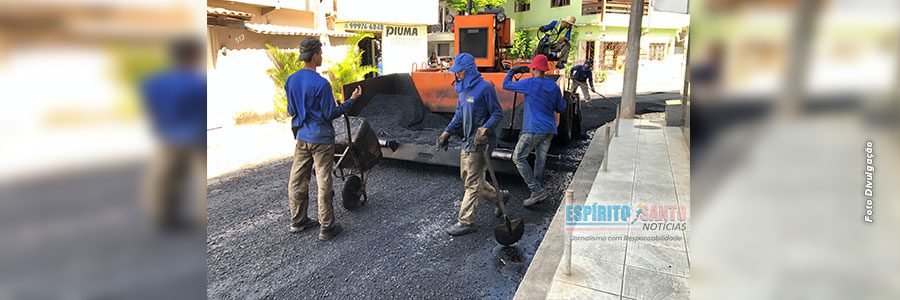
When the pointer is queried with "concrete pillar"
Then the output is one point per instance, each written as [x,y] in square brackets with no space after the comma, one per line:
[632,55]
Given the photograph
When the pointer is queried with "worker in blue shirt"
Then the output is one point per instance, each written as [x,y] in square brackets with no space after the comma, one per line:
[581,77]
[543,100]
[477,114]
[175,103]
[311,104]
[560,40]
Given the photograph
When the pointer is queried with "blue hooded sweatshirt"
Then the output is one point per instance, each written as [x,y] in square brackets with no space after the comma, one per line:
[478,105]
[542,99]
[311,106]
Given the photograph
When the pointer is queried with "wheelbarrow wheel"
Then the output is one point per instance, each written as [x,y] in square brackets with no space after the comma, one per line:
[352,192]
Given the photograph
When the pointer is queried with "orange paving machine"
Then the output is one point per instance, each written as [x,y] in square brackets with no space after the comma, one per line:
[486,36]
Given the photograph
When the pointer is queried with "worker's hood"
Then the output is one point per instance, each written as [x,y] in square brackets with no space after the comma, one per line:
[465,62]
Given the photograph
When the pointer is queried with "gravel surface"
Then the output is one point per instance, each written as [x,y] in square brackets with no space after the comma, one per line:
[404,119]
[395,246]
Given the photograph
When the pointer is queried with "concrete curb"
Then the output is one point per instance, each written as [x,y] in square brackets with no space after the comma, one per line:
[539,276]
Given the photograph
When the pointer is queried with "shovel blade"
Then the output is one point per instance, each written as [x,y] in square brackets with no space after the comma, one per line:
[509,234]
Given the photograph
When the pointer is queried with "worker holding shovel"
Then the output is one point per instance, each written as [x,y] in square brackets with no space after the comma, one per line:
[542,100]
[477,113]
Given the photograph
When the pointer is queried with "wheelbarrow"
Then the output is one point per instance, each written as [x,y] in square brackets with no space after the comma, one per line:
[356,151]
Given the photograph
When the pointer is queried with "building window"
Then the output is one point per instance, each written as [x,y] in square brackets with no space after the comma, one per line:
[613,55]
[522,6]
[589,51]
[620,7]
[443,49]
[591,7]
[658,51]
[558,3]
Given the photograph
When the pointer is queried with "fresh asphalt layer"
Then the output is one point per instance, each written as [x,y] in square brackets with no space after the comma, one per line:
[394,247]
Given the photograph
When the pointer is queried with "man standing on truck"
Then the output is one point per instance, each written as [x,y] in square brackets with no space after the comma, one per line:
[311,104]
[560,37]
[542,100]
[582,76]
[477,113]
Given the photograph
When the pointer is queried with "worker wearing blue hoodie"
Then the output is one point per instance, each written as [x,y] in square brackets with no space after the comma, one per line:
[543,100]
[477,113]
[311,104]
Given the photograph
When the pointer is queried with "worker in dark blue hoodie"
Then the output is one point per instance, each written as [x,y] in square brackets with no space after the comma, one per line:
[311,104]
[543,100]
[477,113]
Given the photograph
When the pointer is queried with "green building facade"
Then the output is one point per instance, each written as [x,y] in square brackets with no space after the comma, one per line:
[600,36]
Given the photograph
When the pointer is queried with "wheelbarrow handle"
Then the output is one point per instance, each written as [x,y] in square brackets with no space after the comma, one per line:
[349,136]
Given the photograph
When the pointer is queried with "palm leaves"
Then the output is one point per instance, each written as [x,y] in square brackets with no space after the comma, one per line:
[349,70]
[286,62]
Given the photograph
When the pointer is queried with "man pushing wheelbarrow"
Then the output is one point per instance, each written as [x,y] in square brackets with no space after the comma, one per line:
[312,108]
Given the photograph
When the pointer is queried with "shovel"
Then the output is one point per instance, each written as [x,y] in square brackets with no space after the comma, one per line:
[510,231]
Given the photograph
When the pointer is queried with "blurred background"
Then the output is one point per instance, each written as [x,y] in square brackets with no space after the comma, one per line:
[784,96]
[77,149]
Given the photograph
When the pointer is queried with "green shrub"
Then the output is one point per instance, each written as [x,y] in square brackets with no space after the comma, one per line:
[523,45]
[286,62]
[460,5]
[349,70]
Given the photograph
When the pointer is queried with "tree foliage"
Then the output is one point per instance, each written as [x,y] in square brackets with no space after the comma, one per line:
[523,45]
[286,62]
[349,70]
[460,5]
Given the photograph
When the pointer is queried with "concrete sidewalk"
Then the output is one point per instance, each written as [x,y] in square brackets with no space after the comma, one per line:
[648,165]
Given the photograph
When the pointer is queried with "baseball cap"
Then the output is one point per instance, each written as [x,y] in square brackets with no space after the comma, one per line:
[309,47]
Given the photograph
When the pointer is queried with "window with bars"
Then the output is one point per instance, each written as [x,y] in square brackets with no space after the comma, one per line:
[612,56]
[523,6]
[658,51]
[588,51]
[558,3]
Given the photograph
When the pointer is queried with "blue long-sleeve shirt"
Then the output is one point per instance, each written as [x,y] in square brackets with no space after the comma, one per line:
[310,103]
[542,99]
[478,107]
[581,74]
[552,25]
[175,101]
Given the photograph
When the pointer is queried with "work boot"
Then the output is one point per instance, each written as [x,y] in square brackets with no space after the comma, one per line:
[535,198]
[303,225]
[505,195]
[460,229]
[330,232]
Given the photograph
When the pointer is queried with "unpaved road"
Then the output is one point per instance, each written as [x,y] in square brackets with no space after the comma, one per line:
[394,247]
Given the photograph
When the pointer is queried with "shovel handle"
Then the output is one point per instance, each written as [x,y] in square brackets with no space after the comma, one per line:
[490,167]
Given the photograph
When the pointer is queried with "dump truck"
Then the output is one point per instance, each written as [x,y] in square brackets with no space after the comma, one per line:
[419,104]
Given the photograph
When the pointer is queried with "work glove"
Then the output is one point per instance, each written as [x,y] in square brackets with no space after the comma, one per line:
[443,141]
[520,70]
[481,136]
